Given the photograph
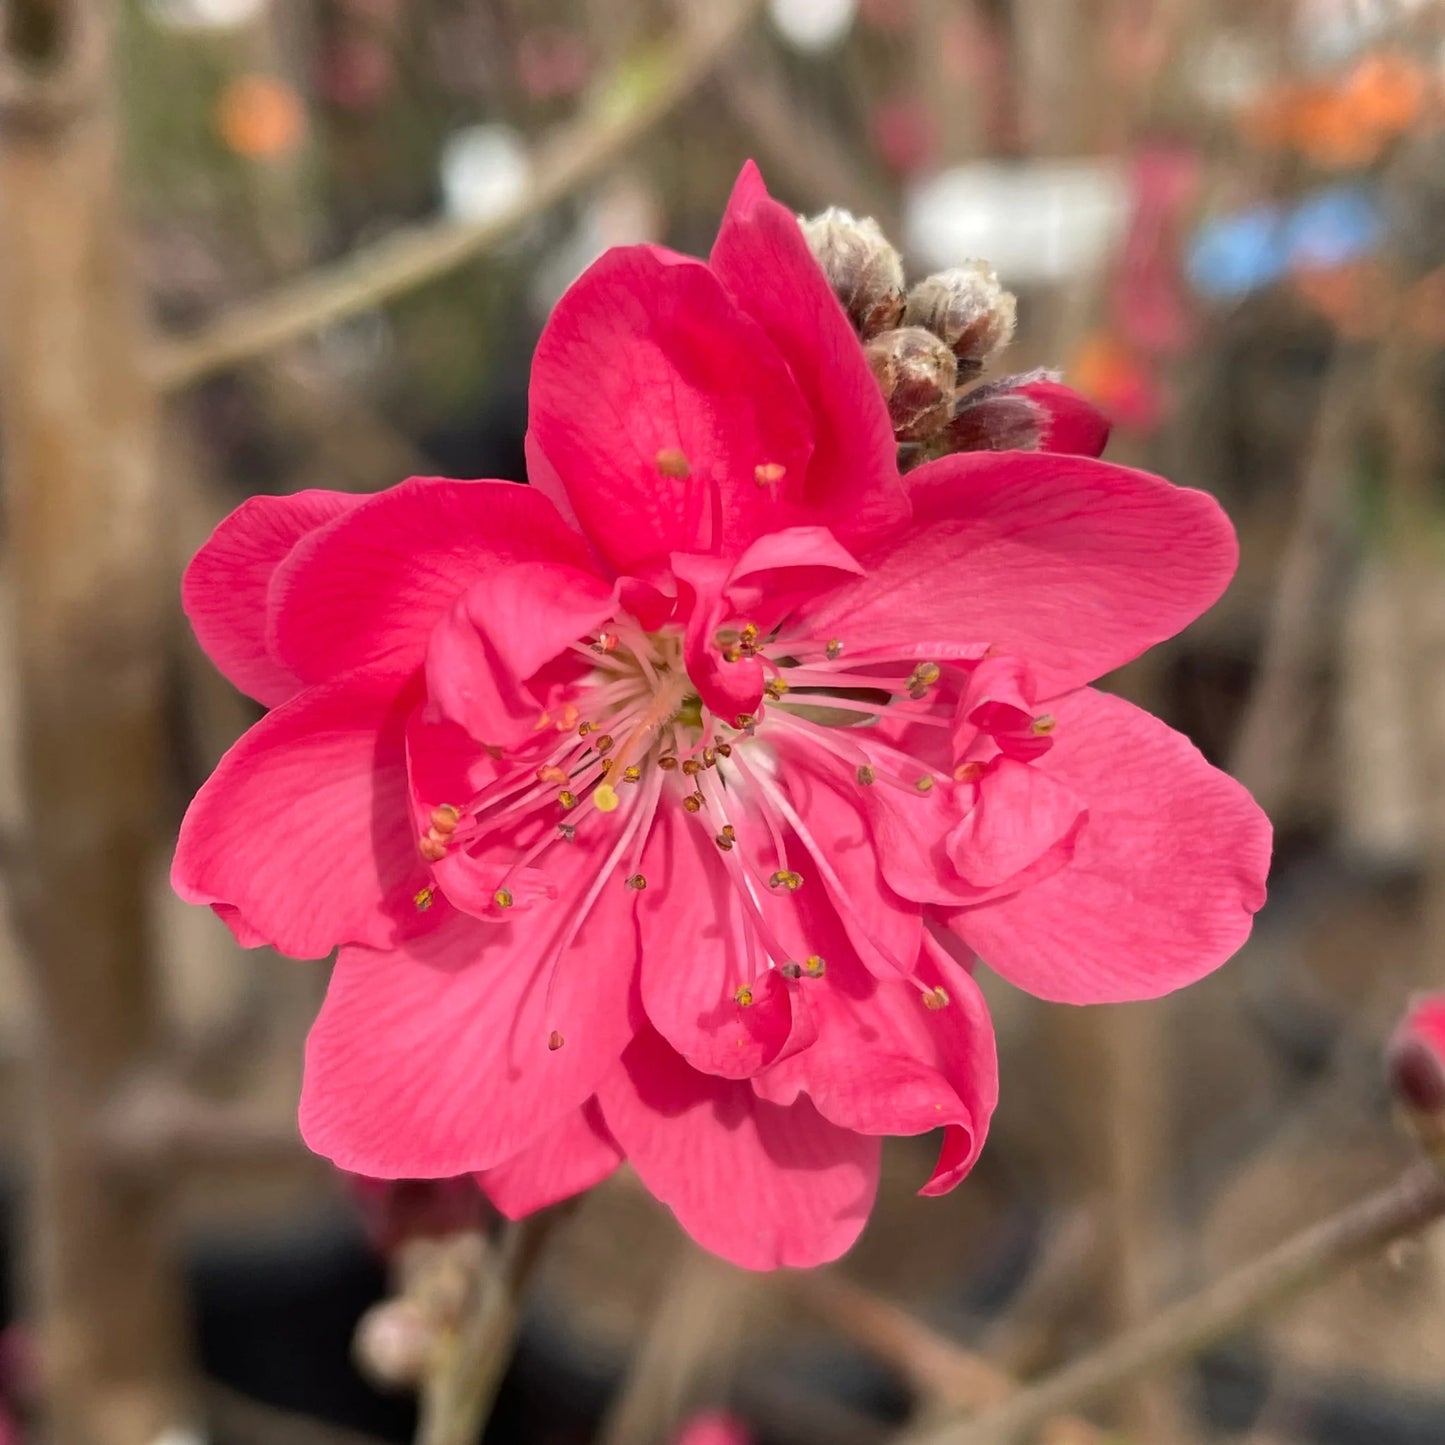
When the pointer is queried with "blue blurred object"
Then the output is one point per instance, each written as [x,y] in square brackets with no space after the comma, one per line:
[1234,254]
[1334,226]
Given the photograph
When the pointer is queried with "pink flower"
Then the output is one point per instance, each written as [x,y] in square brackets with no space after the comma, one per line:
[714,1427]
[659,808]
[1415,1060]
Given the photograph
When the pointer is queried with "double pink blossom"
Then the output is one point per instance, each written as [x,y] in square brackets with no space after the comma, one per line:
[659,808]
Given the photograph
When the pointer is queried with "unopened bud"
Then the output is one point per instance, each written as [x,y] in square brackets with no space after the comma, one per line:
[1415,1064]
[862,267]
[917,373]
[394,1344]
[967,309]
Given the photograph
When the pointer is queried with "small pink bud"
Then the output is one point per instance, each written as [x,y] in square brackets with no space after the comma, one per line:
[1415,1067]
[394,1343]
[714,1427]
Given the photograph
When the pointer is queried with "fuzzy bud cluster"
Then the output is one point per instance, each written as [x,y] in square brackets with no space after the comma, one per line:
[863,268]
[923,343]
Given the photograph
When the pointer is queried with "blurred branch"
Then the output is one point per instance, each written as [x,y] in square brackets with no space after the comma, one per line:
[466,1370]
[412,257]
[84,527]
[942,1372]
[236,1417]
[798,145]
[1183,1330]
[1276,717]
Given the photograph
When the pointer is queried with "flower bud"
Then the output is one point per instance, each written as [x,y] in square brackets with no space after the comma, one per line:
[394,1343]
[1415,1065]
[917,373]
[862,267]
[967,309]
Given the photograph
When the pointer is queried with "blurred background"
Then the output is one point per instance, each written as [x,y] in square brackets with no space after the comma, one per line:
[260,245]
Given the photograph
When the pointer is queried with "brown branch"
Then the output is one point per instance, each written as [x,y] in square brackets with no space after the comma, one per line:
[419,254]
[1276,719]
[1182,1330]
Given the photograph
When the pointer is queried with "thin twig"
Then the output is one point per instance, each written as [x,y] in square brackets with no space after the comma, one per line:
[1182,1330]
[461,1383]
[412,257]
[1275,720]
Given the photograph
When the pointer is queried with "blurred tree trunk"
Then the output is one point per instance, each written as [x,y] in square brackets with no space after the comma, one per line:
[84,556]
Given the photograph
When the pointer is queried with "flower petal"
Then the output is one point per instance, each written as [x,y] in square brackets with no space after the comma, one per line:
[224,588]
[886,1063]
[698,955]
[656,401]
[761,257]
[369,588]
[761,1185]
[1022,817]
[1165,874]
[573,1155]
[433,1059]
[1075,565]
[1071,424]
[303,832]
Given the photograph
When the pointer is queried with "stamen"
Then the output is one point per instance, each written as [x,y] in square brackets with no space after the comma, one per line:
[786,878]
[769,474]
[744,996]
[604,796]
[791,970]
[551,773]
[936,998]
[567,798]
[555,1041]
[814,966]
[503,897]
[672,462]
[968,772]
[423,900]
[1043,725]
[834,650]
[867,775]
[637,881]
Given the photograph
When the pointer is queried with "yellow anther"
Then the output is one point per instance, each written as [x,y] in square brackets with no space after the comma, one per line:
[583,728]
[814,966]
[567,798]
[568,720]
[503,898]
[834,650]
[445,819]
[431,848]
[673,463]
[637,881]
[749,632]
[924,784]
[631,773]
[709,757]
[667,763]
[744,996]
[968,772]
[724,750]
[607,765]
[544,721]
[936,998]
[769,474]
[733,652]
[775,688]
[423,900]
[605,743]
[926,674]
[691,766]
[551,773]
[726,838]
[1043,725]
[786,878]
[555,1041]
[605,796]
[693,802]
[866,775]
[744,720]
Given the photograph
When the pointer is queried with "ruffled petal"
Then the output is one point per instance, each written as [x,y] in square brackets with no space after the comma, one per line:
[763,260]
[303,834]
[574,1154]
[655,401]
[763,1186]
[1022,816]
[887,1063]
[434,1059]
[1165,876]
[1075,565]
[224,588]
[369,588]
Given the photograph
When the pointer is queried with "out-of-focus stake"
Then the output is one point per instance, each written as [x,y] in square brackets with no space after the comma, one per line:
[84,526]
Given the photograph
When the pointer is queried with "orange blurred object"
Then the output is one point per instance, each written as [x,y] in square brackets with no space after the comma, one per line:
[1356,298]
[1386,92]
[260,117]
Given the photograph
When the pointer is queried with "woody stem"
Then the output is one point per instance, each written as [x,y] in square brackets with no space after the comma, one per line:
[1182,1330]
